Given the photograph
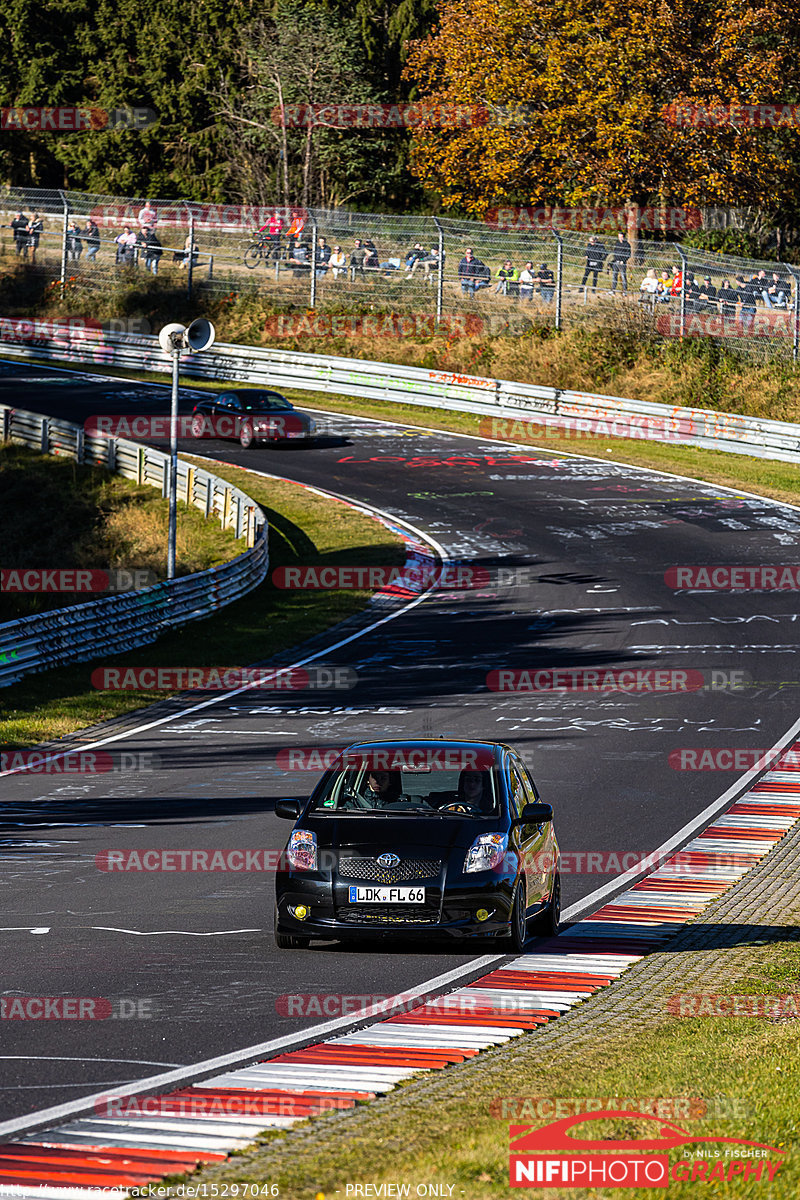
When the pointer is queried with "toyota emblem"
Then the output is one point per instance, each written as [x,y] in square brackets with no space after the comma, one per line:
[388,860]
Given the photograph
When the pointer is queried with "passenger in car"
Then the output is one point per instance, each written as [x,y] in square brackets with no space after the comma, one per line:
[475,789]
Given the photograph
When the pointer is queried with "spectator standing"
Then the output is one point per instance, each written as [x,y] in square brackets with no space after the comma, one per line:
[596,255]
[749,294]
[35,231]
[620,256]
[91,236]
[357,256]
[547,283]
[152,251]
[337,262]
[727,298]
[147,217]
[19,227]
[74,243]
[526,282]
[506,274]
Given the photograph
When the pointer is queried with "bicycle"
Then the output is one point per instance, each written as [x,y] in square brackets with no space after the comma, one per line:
[261,248]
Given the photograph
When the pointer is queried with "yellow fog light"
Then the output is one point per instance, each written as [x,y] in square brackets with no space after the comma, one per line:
[301,912]
[482,914]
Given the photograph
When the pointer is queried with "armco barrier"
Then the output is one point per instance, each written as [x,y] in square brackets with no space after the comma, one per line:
[118,623]
[731,432]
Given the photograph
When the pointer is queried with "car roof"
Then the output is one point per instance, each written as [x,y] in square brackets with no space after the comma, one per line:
[492,749]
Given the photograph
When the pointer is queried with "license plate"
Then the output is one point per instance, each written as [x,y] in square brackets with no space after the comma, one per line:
[387,895]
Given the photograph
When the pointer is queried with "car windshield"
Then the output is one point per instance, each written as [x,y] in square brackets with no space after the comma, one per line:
[428,791]
[257,402]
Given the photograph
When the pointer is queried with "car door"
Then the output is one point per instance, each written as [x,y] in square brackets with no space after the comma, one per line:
[534,839]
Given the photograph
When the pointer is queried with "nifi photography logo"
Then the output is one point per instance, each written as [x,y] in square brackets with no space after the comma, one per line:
[553,1156]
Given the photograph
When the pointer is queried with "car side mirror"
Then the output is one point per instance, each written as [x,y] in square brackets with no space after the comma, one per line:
[288,809]
[536,814]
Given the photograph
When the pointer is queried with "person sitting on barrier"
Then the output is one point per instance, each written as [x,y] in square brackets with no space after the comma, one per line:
[338,262]
[650,289]
[473,274]
[506,274]
[323,257]
[777,291]
[691,294]
[371,258]
[546,282]
[300,259]
[707,296]
[413,256]
[126,244]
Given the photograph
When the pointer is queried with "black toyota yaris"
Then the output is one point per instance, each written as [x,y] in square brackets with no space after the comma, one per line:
[428,838]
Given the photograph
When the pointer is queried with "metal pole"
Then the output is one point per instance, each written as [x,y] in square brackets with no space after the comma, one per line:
[191,258]
[440,273]
[65,202]
[796,323]
[684,264]
[559,273]
[173,467]
[314,231]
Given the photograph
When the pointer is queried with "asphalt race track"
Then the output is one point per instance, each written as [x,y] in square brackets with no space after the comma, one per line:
[592,541]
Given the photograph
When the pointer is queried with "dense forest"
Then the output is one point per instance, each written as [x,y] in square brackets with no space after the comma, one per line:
[595,89]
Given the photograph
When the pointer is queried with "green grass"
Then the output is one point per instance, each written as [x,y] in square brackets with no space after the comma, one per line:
[304,529]
[748,1069]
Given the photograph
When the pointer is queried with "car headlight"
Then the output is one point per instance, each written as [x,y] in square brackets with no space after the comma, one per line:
[301,852]
[486,852]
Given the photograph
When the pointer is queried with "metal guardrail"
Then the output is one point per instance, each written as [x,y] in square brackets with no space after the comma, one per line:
[502,398]
[118,623]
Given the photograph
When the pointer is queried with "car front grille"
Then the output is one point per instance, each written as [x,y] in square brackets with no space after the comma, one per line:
[388,914]
[369,870]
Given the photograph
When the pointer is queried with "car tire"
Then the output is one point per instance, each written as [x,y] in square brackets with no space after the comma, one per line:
[246,437]
[198,426]
[547,923]
[289,941]
[517,934]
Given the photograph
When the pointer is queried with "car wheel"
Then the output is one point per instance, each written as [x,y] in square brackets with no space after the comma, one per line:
[518,924]
[546,925]
[198,425]
[287,941]
[246,435]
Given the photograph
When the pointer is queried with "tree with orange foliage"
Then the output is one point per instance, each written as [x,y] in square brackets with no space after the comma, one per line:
[608,90]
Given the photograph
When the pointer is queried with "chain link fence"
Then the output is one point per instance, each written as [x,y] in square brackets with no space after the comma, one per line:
[323,271]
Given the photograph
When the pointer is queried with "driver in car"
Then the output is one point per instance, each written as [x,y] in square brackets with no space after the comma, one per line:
[475,791]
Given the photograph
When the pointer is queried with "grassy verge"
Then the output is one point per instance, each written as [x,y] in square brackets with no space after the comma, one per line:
[86,517]
[747,1067]
[304,529]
